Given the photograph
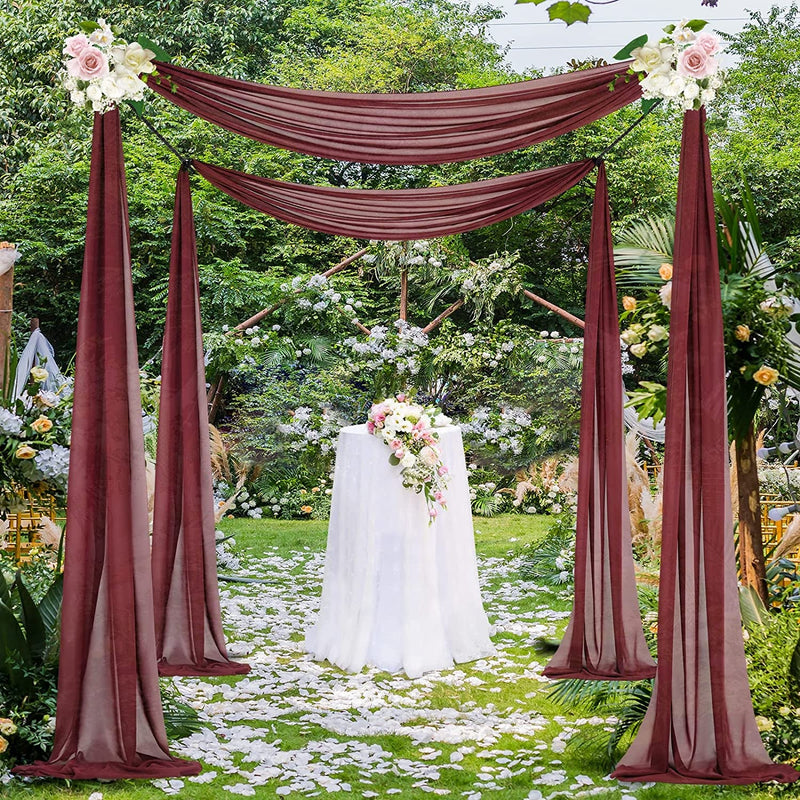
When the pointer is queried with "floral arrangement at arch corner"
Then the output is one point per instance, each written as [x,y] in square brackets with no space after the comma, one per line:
[101,69]
[408,429]
[681,68]
[34,440]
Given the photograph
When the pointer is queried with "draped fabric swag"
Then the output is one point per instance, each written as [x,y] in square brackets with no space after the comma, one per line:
[419,128]
[109,722]
[604,639]
[699,727]
[189,635]
[397,214]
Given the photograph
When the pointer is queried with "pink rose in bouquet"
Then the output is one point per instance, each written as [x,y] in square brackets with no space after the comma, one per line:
[89,63]
[695,62]
[75,45]
[709,42]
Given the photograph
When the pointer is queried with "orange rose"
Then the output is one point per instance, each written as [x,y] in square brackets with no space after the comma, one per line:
[306,509]
[742,333]
[42,425]
[665,271]
[766,376]
[25,452]
[629,303]
[3,744]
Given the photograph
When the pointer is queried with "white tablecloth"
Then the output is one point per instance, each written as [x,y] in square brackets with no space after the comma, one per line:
[398,594]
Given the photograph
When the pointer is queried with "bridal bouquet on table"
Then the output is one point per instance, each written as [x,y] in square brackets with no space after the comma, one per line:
[409,431]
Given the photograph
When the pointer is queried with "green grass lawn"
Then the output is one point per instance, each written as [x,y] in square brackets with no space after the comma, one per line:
[281,552]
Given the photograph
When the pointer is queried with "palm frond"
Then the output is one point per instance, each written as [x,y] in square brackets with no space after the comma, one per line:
[641,249]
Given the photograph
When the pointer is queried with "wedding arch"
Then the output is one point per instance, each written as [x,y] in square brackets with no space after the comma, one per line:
[128,616]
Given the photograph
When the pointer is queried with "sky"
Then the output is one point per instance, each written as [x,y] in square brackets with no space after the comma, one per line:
[537,43]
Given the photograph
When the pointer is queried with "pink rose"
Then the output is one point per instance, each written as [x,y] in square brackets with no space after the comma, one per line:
[75,45]
[371,427]
[401,397]
[695,62]
[443,470]
[708,41]
[396,444]
[439,497]
[89,63]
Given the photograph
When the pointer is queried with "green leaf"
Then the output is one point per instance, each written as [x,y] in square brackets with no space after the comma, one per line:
[754,612]
[160,53]
[394,460]
[669,29]
[647,105]
[569,12]
[32,620]
[87,26]
[12,639]
[50,604]
[626,51]
[138,106]
[794,667]
[535,2]
[696,25]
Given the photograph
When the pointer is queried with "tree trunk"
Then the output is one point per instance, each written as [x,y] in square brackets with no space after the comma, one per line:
[6,299]
[751,546]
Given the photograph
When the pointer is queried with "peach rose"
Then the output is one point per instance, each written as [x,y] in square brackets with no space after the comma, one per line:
[42,425]
[25,452]
[766,376]
[306,509]
[89,63]
[695,62]
[3,744]
[742,333]
[7,726]
[629,303]
[665,271]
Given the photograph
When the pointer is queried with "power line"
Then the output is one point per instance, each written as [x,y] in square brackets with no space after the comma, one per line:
[622,21]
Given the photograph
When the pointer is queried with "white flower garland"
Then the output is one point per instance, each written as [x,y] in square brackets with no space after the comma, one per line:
[101,69]
[681,68]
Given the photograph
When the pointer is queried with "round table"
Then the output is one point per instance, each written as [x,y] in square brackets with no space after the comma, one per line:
[398,594]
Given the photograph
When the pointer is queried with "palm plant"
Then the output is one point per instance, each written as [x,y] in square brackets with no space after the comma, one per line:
[756,312]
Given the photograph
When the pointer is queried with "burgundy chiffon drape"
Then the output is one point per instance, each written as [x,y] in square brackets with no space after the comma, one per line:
[397,214]
[189,636]
[109,722]
[604,639]
[699,727]
[419,128]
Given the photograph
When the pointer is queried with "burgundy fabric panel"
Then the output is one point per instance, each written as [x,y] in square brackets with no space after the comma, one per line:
[397,214]
[109,722]
[699,727]
[189,636]
[419,128]
[604,638]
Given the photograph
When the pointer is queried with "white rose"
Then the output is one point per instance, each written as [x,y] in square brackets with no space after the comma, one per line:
[134,57]
[111,88]
[665,293]
[675,86]
[77,97]
[409,459]
[651,56]
[94,92]
[691,90]
[441,421]
[129,84]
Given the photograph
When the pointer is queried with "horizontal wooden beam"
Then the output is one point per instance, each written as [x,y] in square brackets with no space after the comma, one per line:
[554,308]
